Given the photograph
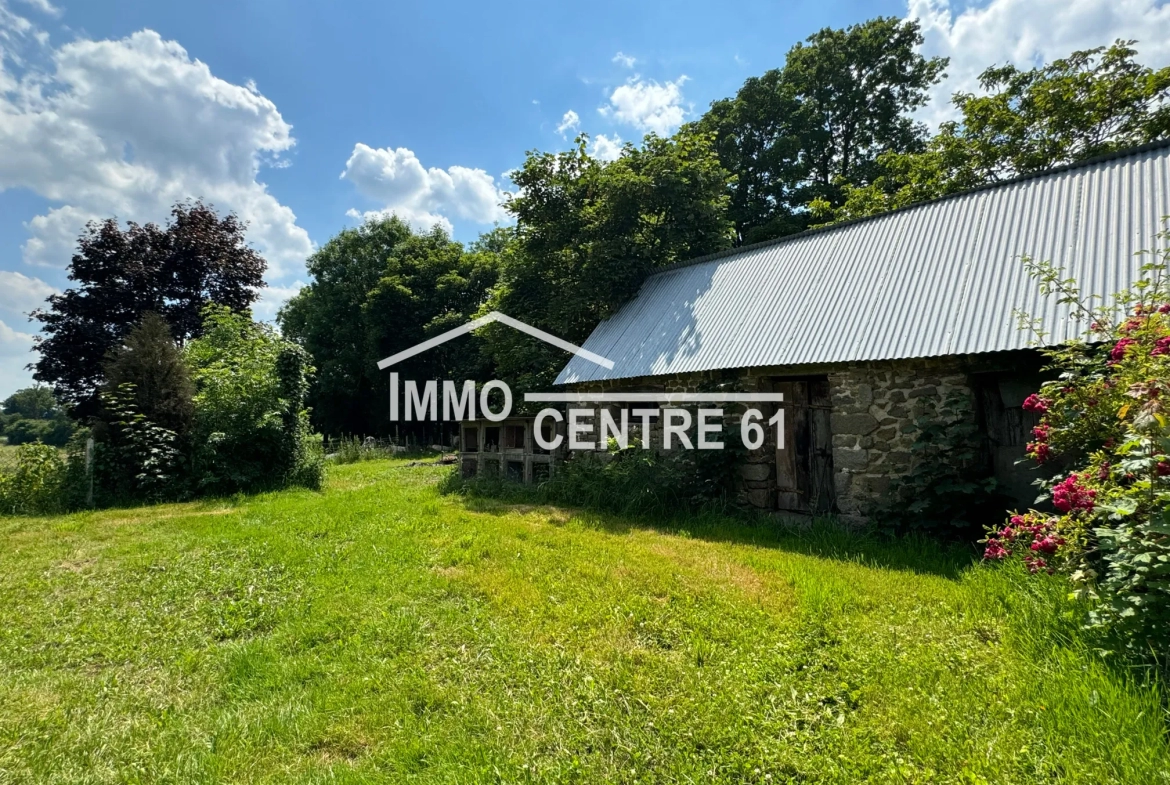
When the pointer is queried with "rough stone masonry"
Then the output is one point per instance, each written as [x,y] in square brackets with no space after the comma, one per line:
[875,411]
[875,415]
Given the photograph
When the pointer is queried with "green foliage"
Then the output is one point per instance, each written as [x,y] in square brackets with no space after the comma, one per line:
[149,361]
[302,457]
[121,274]
[251,428]
[142,430]
[32,403]
[391,288]
[353,449]
[349,393]
[246,429]
[589,232]
[1104,420]
[949,490]
[136,459]
[33,415]
[637,481]
[1090,103]
[431,284]
[640,482]
[55,432]
[804,132]
[33,484]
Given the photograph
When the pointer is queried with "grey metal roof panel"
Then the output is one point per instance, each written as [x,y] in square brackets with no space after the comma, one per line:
[934,279]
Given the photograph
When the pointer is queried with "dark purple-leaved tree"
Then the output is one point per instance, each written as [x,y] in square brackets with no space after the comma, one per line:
[197,259]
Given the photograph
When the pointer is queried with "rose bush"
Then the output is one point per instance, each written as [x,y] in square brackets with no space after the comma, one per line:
[1104,425]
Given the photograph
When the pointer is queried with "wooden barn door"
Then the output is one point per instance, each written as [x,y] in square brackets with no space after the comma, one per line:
[804,466]
[1006,429]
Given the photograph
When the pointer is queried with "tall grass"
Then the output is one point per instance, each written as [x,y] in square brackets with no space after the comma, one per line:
[383,632]
[354,449]
[673,496]
[630,482]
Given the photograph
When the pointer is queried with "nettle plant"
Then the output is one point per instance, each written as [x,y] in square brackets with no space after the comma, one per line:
[1104,423]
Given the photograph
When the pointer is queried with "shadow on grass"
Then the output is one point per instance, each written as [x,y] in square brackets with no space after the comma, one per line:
[826,538]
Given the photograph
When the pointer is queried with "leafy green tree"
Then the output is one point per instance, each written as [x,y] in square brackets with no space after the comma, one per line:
[802,132]
[34,415]
[143,427]
[55,432]
[589,232]
[756,138]
[199,258]
[34,483]
[376,290]
[329,319]
[135,458]
[150,360]
[32,403]
[251,425]
[1090,103]
[431,285]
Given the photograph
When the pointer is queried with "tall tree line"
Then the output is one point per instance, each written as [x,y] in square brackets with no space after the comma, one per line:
[829,135]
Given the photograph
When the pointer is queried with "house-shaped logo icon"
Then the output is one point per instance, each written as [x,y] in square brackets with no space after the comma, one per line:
[495,316]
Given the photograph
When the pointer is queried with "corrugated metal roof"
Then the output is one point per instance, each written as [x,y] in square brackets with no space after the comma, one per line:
[934,279]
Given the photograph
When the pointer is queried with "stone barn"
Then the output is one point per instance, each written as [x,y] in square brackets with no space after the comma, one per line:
[869,326]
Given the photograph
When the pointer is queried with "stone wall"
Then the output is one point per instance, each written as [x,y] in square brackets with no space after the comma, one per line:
[875,410]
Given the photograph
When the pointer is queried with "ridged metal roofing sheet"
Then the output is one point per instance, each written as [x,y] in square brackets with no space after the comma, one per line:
[935,279]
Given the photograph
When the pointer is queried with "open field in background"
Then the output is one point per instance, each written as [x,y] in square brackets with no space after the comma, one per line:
[383,632]
[7,453]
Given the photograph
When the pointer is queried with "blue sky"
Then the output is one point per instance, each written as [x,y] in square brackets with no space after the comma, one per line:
[304,116]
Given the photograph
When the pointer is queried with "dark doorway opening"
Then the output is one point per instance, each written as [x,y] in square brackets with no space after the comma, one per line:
[804,464]
[1006,430]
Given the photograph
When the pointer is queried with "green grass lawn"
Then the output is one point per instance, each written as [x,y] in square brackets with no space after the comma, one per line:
[383,632]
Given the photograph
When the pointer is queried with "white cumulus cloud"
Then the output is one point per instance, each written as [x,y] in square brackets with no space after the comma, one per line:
[648,105]
[569,123]
[14,343]
[624,60]
[423,197]
[15,354]
[128,127]
[606,148]
[1028,33]
[22,293]
[272,298]
[44,6]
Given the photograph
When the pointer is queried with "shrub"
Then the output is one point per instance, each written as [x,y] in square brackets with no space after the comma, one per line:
[149,360]
[637,481]
[33,484]
[308,468]
[251,426]
[1105,419]
[631,482]
[634,481]
[302,455]
[55,432]
[136,459]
